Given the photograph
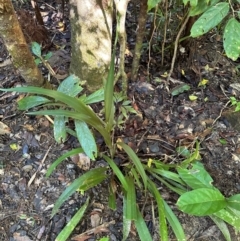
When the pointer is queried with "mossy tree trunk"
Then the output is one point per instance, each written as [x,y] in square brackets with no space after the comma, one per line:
[16,45]
[91,34]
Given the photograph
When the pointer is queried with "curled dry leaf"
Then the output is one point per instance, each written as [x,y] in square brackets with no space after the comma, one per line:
[4,129]
[82,161]
[95,218]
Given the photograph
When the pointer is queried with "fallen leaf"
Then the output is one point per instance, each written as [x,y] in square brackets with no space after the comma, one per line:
[17,237]
[4,129]
[95,219]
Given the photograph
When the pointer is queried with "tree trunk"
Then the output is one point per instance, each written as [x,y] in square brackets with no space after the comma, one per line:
[16,45]
[91,34]
[139,40]
[121,7]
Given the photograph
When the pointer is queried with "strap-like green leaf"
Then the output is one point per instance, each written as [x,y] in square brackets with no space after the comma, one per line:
[71,102]
[229,217]
[132,155]
[142,228]
[161,211]
[117,172]
[222,226]
[31,101]
[62,158]
[131,200]
[174,223]
[84,182]
[65,233]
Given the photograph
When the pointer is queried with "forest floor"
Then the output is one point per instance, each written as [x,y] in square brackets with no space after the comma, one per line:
[164,123]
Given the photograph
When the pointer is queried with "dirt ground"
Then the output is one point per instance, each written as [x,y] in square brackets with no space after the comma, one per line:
[164,123]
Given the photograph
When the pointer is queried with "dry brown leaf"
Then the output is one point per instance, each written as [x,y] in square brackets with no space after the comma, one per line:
[4,129]
[17,237]
[95,219]
[81,238]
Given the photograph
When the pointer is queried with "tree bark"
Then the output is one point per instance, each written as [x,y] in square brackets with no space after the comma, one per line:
[139,40]
[121,7]
[91,40]
[17,47]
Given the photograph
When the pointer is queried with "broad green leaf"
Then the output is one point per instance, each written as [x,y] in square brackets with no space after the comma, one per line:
[234,202]
[209,19]
[104,239]
[86,139]
[117,172]
[70,86]
[195,176]
[223,141]
[142,228]
[201,7]
[132,155]
[231,39]
[126,222]
[95,97]
[229,217]
[163,230]
[48,56]
[222,226]
[59,129]
[194,3]
[174,223]
[201,202]
[31,101]
[36,49]
[68,229]
[131,211]
[37,61]
[180,89]
[152,4]
[62,158]
[83,183]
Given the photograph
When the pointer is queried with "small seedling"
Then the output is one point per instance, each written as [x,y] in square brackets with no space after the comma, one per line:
[235,103]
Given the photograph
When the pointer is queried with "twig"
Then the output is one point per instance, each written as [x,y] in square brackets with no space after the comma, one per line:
[39,167]
[221,112]
[150,41]
[176,46]
[165,30]
[92,231]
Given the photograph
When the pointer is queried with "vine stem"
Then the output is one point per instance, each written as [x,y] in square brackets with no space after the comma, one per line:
[176,46]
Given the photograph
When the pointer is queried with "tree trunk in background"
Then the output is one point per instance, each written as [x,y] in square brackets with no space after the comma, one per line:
[121,8]
[139,39]
[91,40]
[16,45]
